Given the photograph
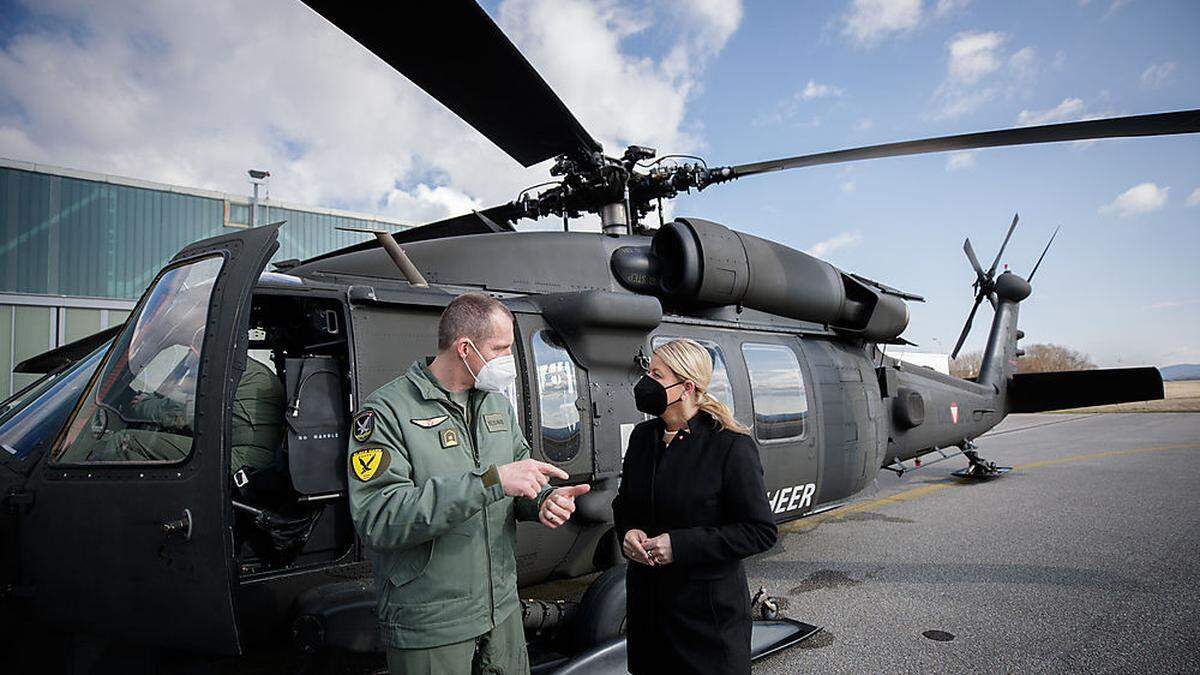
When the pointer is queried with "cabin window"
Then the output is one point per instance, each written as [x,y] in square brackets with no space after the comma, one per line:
[558,392]
[140,407]
[719,388]
[777,392]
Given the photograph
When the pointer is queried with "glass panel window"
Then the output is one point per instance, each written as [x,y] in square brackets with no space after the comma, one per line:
[557,393]
[140,406]
[777,391]
[719,388]
[239,215]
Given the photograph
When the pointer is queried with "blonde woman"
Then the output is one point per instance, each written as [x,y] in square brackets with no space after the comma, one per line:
[690,507]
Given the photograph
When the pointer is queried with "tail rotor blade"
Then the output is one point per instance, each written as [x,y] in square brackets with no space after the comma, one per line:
[967,328]
[1043,255]
[971,256]
[999,253]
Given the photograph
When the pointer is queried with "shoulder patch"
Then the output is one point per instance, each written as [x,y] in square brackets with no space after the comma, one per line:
[369,462]
[363,425]
[430,422]
[495,422]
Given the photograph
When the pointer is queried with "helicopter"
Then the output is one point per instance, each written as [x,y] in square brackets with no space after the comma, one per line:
[172,554]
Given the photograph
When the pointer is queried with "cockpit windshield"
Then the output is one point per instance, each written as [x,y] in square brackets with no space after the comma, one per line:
[141,405]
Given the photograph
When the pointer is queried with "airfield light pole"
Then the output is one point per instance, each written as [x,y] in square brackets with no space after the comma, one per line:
[257,177]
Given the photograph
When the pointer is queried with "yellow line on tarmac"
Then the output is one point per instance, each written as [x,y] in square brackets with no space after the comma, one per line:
[1102,455]
[811,522]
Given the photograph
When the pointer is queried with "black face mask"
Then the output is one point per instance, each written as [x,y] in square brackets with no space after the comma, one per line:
[650,396]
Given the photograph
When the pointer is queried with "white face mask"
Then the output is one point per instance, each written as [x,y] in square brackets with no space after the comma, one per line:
[495,375]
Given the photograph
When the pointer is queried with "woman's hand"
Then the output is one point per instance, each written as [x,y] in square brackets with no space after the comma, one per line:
[658,549]
[634,548]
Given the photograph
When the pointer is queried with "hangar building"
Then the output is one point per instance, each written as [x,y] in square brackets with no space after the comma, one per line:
[77,249]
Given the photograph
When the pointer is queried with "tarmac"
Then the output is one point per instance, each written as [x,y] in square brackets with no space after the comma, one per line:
[1086,557]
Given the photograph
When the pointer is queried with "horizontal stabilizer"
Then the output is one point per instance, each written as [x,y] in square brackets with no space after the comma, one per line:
[67,354]
[1037,392]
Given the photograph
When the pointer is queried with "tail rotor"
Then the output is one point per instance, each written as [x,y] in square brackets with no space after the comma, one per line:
[1043,255]
[985,282]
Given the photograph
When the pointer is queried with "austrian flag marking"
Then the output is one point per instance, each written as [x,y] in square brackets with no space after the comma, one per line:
[954,412]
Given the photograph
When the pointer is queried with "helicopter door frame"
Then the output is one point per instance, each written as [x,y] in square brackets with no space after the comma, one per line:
[143,552]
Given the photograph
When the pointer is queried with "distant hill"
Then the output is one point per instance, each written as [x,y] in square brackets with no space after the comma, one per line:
[1182,371]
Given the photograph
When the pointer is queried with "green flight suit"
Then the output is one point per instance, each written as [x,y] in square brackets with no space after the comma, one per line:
[256,432]
[426,498]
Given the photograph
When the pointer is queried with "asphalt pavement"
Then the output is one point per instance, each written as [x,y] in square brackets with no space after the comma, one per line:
[1086,557]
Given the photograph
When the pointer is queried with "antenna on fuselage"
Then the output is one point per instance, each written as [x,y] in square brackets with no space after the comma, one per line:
[397,254]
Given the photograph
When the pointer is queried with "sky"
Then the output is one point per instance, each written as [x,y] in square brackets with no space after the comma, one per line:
[195,93]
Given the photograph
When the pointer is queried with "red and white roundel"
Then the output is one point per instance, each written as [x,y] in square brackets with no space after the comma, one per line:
[954,412]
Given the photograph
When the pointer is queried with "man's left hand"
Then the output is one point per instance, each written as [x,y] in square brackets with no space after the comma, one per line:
[658,549]
[558,506]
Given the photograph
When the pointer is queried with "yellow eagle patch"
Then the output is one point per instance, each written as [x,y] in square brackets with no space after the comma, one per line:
[369,462]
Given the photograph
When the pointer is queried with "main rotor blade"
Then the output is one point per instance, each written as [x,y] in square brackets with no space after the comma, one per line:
[967,328]
[971,256]
[1157,124]
[992,269]
[1043,255]
[456,53]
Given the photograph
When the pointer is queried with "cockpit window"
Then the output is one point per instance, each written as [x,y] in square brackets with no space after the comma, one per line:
[140,407]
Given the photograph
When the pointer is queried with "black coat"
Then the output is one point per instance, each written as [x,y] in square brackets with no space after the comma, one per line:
[706,490]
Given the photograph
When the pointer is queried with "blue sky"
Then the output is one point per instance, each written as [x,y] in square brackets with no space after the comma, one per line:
[194,94]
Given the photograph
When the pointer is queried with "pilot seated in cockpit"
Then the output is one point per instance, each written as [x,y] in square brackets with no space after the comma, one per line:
[256,432]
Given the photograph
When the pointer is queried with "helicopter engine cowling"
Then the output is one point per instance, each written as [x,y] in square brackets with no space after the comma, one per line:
[702,262]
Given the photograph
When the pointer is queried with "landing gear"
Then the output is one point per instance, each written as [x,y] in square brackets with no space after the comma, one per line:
[978,468]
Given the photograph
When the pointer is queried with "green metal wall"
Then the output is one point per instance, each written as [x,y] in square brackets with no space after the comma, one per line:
[76,237]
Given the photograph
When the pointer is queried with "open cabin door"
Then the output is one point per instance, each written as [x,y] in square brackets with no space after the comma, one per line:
[129,533]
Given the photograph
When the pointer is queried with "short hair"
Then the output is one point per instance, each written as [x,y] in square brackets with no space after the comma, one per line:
[470,316]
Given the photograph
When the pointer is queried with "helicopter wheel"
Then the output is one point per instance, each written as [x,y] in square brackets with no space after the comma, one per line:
[980,468]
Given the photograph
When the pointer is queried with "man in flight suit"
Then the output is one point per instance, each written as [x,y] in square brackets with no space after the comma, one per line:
[439,473]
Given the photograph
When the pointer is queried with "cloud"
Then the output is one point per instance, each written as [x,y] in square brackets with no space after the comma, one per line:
[815,90]
[944,7]
[864,124]
[869,22]
[1194,198]
[978,69]
[789,107]
[194,94]
[1157,74]
[1112,8]
[1139,199]
[1069,109]
[974,55]
[849,187]
[958,161]
[833,244]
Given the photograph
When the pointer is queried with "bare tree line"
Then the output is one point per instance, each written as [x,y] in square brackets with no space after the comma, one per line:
[1038,358]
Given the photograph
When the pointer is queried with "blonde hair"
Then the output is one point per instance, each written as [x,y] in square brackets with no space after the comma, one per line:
[692,362]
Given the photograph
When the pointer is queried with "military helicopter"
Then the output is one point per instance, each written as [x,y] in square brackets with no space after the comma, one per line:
[150,551]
